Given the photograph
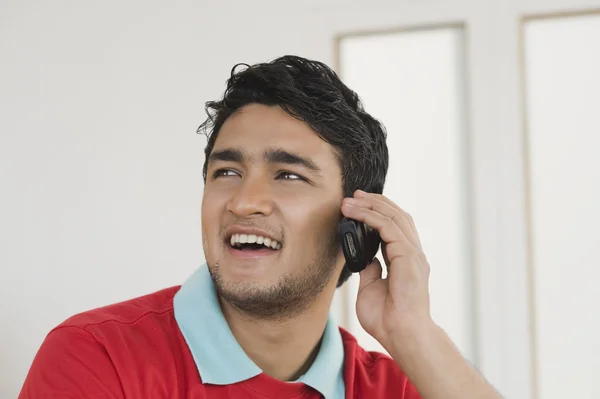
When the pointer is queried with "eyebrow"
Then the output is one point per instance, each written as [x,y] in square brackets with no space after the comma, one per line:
[271,156]
[289,158]
[226,155]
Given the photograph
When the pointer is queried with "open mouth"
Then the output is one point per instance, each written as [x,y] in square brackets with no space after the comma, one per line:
[251,242]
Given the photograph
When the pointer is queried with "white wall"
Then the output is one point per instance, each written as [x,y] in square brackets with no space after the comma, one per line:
[100,165]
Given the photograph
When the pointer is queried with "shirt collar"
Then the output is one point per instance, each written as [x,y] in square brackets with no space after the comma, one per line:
[219,357]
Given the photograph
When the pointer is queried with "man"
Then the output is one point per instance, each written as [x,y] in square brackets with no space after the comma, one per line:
[290,152]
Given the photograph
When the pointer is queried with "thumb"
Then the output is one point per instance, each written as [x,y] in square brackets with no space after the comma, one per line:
[370,274]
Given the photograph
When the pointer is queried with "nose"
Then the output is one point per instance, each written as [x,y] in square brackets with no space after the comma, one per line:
[252,197]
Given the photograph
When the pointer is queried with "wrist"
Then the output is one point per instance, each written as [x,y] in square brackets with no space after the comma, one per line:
[415,339]
[434,365]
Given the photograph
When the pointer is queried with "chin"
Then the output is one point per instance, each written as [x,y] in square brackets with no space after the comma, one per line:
[245,272]
[251,264]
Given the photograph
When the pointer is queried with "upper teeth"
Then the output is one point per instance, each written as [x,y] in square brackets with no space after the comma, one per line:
[252,238]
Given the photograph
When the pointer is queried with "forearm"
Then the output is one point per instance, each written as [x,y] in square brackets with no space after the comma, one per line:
[437,369]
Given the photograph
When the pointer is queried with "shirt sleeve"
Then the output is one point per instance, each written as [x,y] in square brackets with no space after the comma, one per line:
[71,364]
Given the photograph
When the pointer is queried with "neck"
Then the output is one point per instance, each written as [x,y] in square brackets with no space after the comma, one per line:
[284,349]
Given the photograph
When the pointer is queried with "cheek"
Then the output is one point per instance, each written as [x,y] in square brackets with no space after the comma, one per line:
[314,224]
[210,219]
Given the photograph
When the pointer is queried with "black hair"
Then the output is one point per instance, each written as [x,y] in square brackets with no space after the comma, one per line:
[311,92]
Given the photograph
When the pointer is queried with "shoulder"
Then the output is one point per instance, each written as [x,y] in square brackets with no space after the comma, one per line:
[373,374]
[93,352]
[126,312]
[370,363]
[124,327]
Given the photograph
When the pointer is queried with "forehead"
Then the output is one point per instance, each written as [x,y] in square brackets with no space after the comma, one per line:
[257,127]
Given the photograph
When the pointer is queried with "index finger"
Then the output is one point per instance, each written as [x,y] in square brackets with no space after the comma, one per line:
[406,221]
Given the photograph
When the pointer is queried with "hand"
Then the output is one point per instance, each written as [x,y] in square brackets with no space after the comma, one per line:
[397,306]
[395,310]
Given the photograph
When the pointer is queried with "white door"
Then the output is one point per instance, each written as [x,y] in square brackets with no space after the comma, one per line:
[492,112]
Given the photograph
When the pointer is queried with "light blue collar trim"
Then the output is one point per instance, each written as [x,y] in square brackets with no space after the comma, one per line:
[326,373]
[219,357]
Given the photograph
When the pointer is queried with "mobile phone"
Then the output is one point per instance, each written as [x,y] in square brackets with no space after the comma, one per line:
[359,242]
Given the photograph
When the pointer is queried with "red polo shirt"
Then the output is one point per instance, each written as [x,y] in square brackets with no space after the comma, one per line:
[135,349]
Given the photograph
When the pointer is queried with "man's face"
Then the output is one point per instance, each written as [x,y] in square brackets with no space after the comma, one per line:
[271,178]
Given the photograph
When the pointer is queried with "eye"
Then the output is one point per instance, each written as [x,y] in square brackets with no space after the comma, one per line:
[290,176]
[224,173]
